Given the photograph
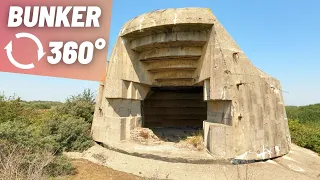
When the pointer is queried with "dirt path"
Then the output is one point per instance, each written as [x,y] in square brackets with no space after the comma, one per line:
[89,171]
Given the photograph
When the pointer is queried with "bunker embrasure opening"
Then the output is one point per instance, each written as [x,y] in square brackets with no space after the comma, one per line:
[174,113]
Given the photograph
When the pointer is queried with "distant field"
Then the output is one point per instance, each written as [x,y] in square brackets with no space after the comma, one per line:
[41,104]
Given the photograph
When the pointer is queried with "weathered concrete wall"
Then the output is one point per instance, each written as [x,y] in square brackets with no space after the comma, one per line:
[189,47]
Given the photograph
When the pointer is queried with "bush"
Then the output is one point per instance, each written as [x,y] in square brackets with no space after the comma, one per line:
[64,128]
[60,166]
[19,133]
[69,133]
[58,133]
[304,124]
[10,109]
[81,105]
[19,162]
[305,135]
[38,129]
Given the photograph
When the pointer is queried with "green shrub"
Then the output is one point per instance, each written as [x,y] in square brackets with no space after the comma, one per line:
[65,128]
[10,109]
[18,132]
[305,135]
[69,132]
[304,124]
[40,126]
[81,105]
[60,166]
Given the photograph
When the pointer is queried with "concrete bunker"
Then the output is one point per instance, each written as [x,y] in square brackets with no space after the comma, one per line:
[183,53]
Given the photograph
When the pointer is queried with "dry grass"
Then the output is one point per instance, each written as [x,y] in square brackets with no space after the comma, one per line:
[196,140]
[19,163]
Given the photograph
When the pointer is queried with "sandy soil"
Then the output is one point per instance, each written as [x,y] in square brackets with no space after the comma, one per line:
[89,171]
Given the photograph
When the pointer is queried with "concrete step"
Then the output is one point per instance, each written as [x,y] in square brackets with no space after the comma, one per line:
[182,53]
[171,69]
[177,73]
[171,58]
[173,39]
[174,82]
[167,64]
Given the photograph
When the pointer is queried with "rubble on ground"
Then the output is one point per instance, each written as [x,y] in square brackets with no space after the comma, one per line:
[145,136]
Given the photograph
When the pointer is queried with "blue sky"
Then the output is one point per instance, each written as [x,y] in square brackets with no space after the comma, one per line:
[282,38]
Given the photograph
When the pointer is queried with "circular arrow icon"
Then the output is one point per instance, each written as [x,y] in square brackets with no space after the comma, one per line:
[17,64]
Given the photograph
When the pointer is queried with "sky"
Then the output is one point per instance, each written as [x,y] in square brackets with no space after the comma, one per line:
[282,38]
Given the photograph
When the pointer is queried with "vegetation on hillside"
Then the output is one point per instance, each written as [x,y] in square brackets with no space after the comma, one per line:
[304,124]
[39,130]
